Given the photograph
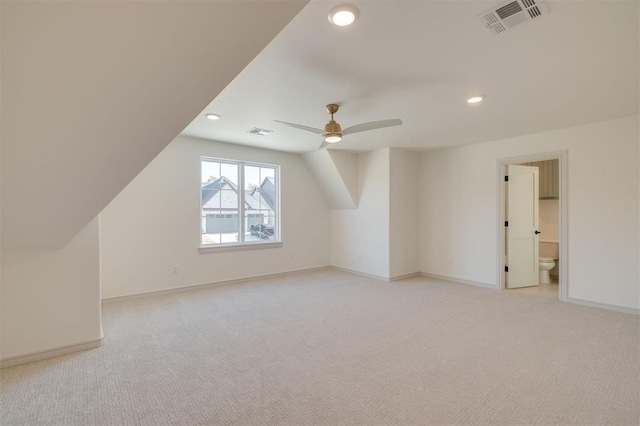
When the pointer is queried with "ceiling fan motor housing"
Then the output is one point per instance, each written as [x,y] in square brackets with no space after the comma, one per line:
[332,127]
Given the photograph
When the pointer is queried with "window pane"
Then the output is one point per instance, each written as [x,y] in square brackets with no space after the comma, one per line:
[260,203]
[210,171]
[230,171]
[219,198]
[251,177]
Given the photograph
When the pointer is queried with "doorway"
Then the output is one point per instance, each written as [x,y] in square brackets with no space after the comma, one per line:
[562,196]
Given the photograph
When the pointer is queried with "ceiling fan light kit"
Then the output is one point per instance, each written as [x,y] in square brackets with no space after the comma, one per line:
[332,137]
[343,15]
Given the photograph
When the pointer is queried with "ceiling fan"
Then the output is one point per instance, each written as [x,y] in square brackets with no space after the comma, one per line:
[333,133]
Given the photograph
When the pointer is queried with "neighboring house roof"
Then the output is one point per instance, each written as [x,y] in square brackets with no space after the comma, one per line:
[268,191]
[253,199]
[222,194]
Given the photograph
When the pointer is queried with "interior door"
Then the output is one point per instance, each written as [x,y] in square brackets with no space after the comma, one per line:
[522,230]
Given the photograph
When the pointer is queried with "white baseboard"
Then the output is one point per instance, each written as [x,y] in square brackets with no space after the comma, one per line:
[38,356]
[376,277]
[457,280]
[569,300]
[414,274]
[362,274]
[213,284]
[604,306]
[107,300]
[405,276]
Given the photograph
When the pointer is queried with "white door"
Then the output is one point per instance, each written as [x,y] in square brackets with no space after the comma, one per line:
[522,230]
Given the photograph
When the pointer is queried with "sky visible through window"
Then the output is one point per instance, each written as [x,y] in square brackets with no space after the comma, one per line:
[214,169]
[253,175]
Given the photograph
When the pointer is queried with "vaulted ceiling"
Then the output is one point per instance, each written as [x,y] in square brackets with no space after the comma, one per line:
[419,60]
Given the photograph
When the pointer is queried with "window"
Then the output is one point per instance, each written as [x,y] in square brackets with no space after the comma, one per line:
[239,203]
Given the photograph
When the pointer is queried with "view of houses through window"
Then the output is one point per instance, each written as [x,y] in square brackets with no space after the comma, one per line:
[239,202]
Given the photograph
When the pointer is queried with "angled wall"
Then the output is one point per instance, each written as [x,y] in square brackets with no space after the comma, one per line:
[337,174]
[380,236]
[92,91]
[346,164]
[51,298]
[360,237]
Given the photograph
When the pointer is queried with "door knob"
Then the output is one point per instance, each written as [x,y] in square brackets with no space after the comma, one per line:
[538,232]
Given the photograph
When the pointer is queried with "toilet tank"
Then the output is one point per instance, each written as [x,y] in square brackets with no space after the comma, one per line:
[549,249]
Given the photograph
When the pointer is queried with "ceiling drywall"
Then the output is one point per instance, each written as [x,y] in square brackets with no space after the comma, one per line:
[419,60]
[92,91]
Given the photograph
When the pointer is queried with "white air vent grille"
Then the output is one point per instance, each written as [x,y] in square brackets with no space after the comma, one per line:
[259,131]
[509,14]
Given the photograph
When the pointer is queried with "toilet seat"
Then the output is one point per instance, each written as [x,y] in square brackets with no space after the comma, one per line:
[546,259]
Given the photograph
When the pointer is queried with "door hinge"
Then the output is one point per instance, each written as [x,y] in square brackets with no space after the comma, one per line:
[506,178]
[506,269]
[506,223]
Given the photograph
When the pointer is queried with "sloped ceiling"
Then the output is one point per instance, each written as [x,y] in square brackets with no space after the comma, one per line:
[419,60]
[92,91]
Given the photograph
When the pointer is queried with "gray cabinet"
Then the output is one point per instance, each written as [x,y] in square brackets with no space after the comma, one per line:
[548,178]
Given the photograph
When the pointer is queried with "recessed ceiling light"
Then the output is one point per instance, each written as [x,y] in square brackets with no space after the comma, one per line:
[343,15]
[475,99]
[212,116]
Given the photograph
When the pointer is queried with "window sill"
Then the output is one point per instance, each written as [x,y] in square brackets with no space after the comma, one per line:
[238,247]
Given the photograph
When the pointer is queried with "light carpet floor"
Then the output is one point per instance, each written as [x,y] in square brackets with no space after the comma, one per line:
[547,290]
[331,348]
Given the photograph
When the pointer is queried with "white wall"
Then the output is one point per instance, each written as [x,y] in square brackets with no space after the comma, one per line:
[403,213]
[360,238]
[347,165]
[460,213]
[51,298]
[549,213]
[329,170]
[154,223]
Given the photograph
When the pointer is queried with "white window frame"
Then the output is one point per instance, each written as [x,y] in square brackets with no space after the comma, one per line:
[242,245]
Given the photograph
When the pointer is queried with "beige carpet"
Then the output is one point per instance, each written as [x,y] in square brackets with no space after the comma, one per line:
[333,348]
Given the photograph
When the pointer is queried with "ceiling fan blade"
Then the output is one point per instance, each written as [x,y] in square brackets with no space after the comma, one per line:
[372,125]
[301,127]
[324,145]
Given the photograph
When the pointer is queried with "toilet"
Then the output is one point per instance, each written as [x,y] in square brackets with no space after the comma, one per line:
[548,256]
[546,264]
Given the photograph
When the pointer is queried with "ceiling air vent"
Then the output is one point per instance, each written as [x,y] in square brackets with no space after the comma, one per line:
[259,131]
[509,14]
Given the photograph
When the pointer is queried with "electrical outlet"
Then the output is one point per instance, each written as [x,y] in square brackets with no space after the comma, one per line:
[174,269]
